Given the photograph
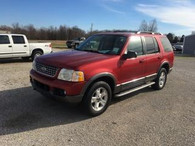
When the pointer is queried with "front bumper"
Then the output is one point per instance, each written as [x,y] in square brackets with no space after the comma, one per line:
[70,92]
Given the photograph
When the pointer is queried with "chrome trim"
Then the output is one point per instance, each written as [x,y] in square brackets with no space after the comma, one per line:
[151,75]
[134,80]
[134,89]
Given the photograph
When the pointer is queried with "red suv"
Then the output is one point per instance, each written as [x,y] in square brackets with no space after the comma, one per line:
[104,66]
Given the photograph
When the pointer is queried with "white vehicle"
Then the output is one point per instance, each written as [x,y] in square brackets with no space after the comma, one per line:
[16,45]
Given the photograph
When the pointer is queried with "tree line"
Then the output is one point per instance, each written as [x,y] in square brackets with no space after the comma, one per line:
[50,33]
[64,32]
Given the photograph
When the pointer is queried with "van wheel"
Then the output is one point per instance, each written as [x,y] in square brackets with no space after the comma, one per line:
[36,54]
[160,80]
[97,98]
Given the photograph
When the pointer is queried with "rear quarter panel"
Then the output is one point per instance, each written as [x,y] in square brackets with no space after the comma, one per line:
[43,46]
[166,56]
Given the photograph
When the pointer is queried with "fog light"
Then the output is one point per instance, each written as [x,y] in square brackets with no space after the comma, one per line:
[64,92]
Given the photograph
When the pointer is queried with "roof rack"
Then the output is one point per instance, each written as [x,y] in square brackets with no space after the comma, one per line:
[149,32]
[135,32]
[127,31]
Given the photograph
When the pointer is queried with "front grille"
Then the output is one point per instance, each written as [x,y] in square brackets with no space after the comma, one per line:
[46,69]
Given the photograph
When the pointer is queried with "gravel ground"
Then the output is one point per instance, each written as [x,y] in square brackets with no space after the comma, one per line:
[147,117]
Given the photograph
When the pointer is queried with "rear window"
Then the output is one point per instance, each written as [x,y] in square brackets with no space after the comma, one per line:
[4,39]
[151,45]
[18,39]
[166,44]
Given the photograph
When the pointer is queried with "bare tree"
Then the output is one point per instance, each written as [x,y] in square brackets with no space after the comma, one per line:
[152,26]
[143,26]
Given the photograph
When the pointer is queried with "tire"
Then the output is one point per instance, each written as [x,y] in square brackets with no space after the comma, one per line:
[36,54]
[76,45]
[94,102]
[160,80]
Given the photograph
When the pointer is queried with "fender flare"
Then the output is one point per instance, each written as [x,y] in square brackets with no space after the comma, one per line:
[164,63]
[96,77]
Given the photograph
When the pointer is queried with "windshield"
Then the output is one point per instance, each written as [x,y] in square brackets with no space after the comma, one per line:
[104,44]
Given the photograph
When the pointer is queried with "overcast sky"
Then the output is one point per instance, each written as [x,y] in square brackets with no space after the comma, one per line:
[176,16]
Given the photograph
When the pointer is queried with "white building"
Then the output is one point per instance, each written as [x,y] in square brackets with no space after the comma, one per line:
[189,44]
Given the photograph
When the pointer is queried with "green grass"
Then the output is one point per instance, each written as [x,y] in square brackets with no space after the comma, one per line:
[59,44]
[55,43]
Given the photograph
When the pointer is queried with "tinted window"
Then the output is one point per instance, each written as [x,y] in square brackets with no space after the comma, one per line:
[18,39]
[151,45]
[166,44]
[135,45]
[4,39]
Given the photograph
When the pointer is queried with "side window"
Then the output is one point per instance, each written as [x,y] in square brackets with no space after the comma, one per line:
[166,44]
[4,39]
[18,39]
[135,45]
[151,45]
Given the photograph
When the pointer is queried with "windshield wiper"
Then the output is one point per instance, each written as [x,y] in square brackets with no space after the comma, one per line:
[94,51]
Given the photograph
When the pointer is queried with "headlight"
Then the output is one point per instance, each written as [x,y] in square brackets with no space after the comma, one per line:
[34,65]
[71,75]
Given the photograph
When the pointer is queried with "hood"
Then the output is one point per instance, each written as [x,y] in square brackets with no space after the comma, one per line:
[72,59]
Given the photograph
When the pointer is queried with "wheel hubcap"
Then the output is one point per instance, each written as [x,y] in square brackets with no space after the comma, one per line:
[162,79]
[37,54]
[99,99]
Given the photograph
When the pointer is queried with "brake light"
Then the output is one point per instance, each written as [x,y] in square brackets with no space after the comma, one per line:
[48,45]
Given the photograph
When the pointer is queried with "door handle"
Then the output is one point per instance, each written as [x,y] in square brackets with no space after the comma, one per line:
[9,46]
[25,45]
[141,61]
[159,57]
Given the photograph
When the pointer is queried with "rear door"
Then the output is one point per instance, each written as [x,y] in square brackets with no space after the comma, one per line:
[20,46]
[153,56]
[132,70]
[5,47]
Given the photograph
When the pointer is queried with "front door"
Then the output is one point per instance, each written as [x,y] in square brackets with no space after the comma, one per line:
[5,47]
[132,70]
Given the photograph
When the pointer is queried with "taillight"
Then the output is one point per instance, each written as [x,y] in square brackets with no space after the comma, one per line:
[50,45]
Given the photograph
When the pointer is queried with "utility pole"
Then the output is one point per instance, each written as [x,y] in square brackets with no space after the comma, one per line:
[91,27]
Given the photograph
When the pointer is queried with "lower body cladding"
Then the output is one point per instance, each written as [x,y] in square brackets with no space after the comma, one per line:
[56,88]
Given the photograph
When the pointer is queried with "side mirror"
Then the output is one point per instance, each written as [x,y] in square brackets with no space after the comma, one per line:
[130,54]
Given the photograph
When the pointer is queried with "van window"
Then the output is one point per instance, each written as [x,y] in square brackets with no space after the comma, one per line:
[18,39]
[135,45]
[166,44]
[151,45]
[4,39]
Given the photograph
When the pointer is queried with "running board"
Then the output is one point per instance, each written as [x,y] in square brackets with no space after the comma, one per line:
[134,89]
